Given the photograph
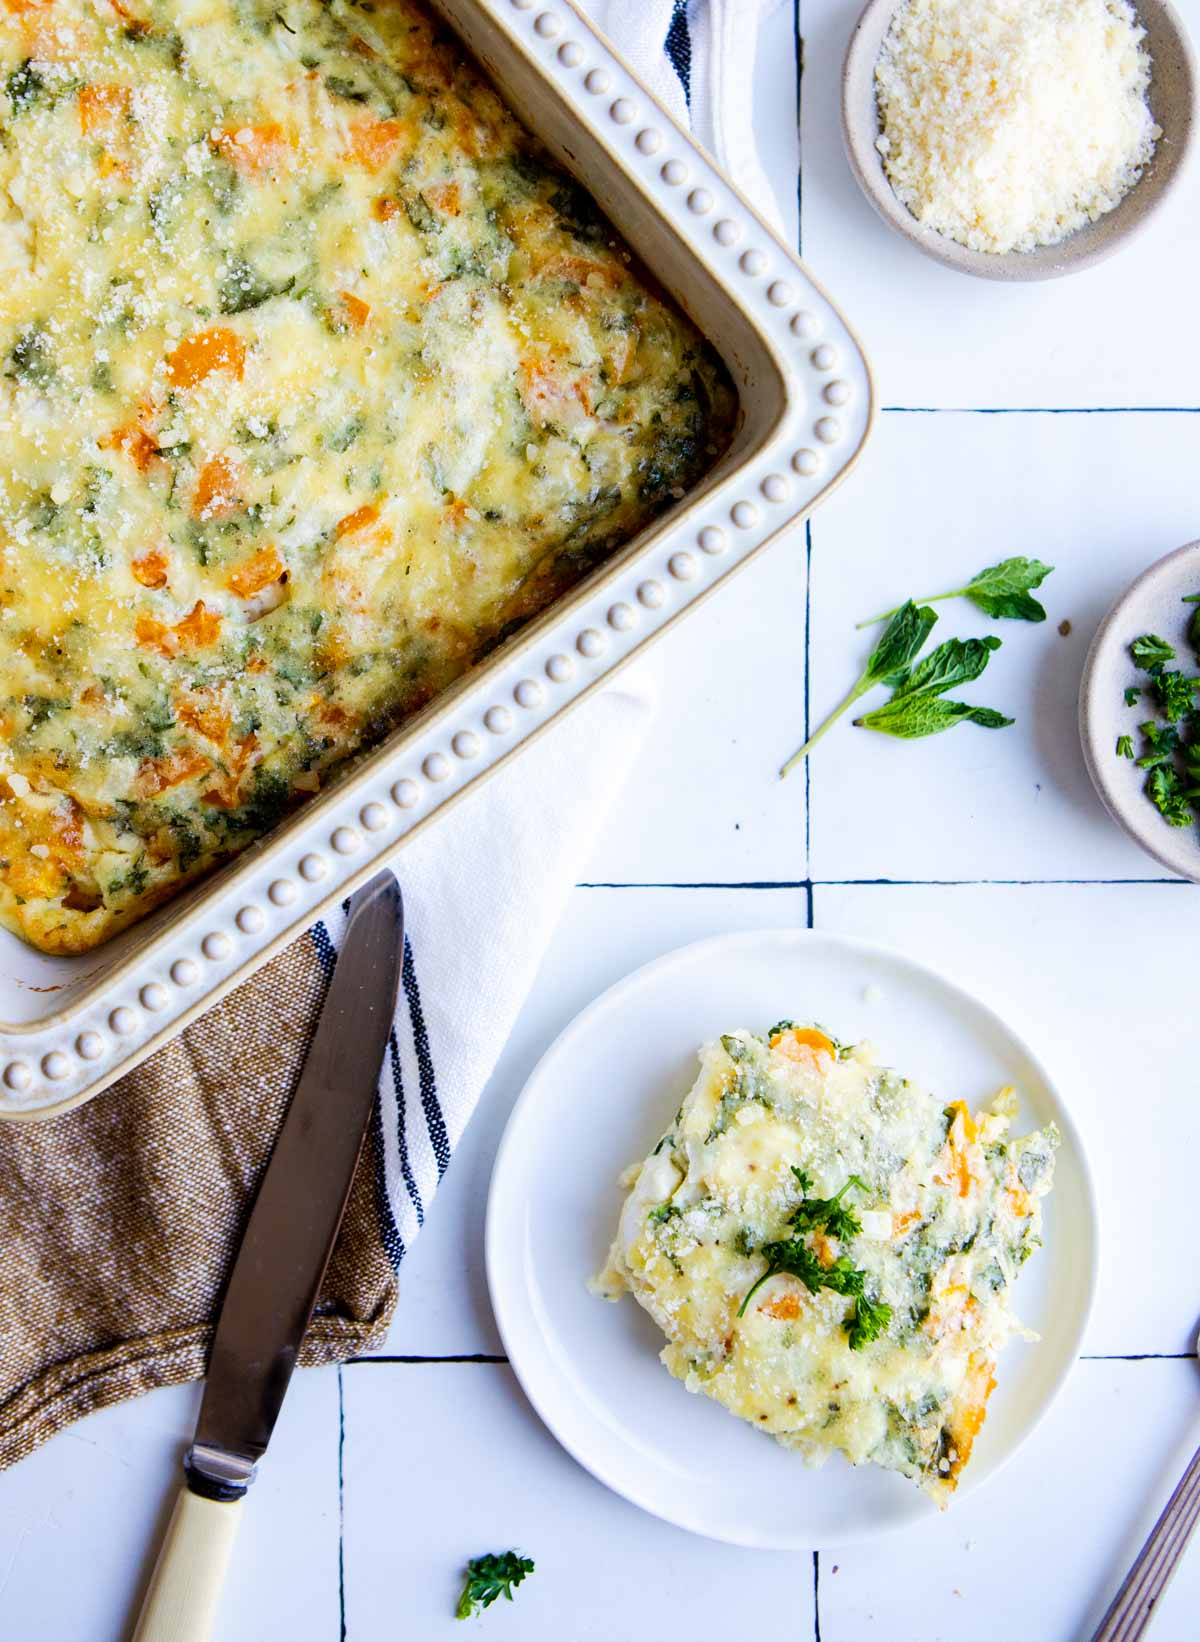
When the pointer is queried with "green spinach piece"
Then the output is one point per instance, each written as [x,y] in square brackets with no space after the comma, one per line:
[29,358]
[25,87]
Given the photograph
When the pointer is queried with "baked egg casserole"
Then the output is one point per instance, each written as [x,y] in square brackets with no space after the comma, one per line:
[831,1251]
[317,379]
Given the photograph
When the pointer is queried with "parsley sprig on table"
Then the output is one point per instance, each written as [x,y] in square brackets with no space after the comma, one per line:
[489,1577]
[792,1257]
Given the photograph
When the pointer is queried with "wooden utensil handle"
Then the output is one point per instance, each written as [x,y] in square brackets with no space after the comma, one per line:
[1146,1581]
[185,1587]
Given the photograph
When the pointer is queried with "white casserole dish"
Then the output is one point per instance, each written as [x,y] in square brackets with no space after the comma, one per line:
[70,1026]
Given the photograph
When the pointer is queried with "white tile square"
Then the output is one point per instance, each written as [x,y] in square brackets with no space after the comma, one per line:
[1041,1550]
[1068,965]
[937,498]
[81,1520]
[703,801]
[446,1461]
[605,934]
[1117,334]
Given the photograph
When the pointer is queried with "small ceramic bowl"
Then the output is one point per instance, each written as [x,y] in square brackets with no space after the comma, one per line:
[1173,99]
[1152,605]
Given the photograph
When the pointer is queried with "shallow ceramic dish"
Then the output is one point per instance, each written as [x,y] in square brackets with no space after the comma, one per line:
[1151,605]
[1173,101]
[600,1097]
[69,1026]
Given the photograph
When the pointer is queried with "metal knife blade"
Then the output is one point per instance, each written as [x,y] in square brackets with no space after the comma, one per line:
[295,1219]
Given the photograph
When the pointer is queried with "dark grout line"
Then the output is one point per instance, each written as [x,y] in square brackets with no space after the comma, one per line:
[766,883]
[341,1506]
[798,50]
[807,693]
[464,1357]
[1041,410]
[816,1556]
[1140,1357]
[889,883]
[988,883]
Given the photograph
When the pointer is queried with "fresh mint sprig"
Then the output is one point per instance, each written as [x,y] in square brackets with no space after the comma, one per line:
[1002,590]
[916,707]
[887,664]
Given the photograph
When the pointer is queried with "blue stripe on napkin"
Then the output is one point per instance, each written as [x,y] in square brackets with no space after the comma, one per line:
[434,1119]
[402,1129]
[678,47]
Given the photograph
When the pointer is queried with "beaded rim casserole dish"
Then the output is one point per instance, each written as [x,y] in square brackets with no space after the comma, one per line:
[70,1025]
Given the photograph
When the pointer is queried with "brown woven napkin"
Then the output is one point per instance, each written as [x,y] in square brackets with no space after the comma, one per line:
[119,1220]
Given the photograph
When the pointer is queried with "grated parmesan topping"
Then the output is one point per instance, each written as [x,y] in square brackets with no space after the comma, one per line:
[1008,124]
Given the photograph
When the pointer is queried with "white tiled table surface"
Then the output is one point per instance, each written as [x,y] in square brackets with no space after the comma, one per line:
[1060,420]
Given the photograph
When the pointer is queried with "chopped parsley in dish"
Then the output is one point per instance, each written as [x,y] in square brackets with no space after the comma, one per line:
[831,1251]
[317,379]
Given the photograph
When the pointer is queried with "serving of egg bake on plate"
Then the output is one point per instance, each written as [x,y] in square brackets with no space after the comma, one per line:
[872,1239]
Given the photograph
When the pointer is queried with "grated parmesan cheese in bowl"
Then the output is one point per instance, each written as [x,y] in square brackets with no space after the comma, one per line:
[1009,124]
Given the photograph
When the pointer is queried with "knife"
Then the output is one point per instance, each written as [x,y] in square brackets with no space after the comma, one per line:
[278,1270]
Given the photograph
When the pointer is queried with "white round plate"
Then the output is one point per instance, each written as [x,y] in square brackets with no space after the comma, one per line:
[601,1097]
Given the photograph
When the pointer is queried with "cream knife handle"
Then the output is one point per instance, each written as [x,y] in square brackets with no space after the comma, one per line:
[185,1587]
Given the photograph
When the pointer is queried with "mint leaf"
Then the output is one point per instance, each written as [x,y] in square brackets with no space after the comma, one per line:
[1001,590]
[887,664]
[958,661]
[900,644]
[911,719]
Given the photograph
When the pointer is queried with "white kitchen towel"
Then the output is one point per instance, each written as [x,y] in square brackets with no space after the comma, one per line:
[697,57]
[483,891]
[485,888]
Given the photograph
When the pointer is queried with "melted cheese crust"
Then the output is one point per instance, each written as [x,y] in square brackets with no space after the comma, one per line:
[317,378]
[949,1211]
